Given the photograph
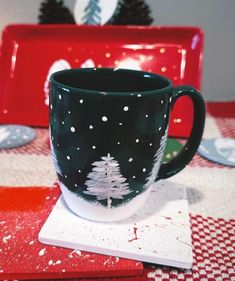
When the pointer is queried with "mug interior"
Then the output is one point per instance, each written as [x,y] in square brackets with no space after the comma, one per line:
[110,80]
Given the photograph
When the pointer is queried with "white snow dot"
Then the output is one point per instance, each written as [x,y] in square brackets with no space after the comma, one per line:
[63,270]
[68,157]
[137,140]
[161,101]
[31,242]
[69,112]
[51,106]
[144,169]
[90,127]
[76,185]
[118,142]
[93,147]
[170,99]
[81,101]
[159,129]
[150,144]
[72,129]
[6,238]
[78,148]
[125,108]
[58,262]
[164,116]
[130,159]
[104,118]
[139,95]
[120,123]
[134,177]
[42,252]
[79,171]
[65,176]
[62,122]
[50,262]
[60,97]
[146,116]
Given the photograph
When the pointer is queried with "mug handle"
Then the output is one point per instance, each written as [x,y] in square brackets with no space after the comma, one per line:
[179,162]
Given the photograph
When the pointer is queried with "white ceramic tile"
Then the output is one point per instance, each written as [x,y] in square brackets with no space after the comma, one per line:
[158,233]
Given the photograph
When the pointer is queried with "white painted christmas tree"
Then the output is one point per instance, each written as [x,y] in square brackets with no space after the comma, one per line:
[92,13]
[55,161]
[105,181]
[157,161]
[54,158]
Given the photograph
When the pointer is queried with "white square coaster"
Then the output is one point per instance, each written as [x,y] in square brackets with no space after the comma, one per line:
[158,233]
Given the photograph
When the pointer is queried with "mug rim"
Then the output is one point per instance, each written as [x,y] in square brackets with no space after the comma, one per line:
[74,90]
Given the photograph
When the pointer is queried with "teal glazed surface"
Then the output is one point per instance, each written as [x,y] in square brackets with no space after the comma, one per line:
[115,118]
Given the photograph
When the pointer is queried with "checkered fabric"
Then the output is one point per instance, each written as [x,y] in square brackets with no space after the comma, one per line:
[213,252]
[210,189]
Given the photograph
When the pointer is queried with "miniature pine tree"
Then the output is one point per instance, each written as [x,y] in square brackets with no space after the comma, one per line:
[92,13]
[105,181]
[54,12]
[132,12]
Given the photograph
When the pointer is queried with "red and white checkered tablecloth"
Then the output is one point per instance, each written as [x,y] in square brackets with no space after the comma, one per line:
[211,194]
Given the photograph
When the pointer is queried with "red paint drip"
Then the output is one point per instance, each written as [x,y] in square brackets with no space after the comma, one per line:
[177,238]
[167,218]
[135,234]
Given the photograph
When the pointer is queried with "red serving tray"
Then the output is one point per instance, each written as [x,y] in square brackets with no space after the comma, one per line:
[29,53]
[23,211]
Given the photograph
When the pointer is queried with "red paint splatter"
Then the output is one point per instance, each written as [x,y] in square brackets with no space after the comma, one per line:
[167,218]
[160,226]
[135,234]
[177,238]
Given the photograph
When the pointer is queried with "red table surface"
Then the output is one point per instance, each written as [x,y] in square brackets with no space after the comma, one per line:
[23,211]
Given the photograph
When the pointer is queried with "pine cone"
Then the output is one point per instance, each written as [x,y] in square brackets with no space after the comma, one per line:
[54,12]
[132,12]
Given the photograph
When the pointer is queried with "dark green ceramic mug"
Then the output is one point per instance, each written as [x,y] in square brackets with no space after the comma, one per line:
[108,133]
